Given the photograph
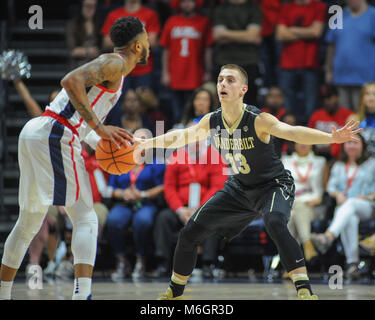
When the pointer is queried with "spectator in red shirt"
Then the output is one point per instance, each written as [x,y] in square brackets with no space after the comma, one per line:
[332,114]
[186,60]
[141,75]
[299,29]
[185,167]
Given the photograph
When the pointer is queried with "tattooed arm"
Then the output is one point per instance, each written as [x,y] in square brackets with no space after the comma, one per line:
[106,69]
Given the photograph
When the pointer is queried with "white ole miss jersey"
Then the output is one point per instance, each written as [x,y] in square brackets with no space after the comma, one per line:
[52,169]
[101,101]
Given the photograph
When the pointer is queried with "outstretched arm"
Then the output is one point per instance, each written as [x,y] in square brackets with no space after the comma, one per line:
[107,68]
[180,137]
[32,106]
[266,124]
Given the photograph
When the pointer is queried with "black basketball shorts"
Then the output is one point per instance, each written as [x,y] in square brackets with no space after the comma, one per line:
[230,210]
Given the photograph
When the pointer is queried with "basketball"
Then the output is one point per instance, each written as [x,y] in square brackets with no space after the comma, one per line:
[113,160]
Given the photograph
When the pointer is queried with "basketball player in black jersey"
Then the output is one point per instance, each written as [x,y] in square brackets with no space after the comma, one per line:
[258,184]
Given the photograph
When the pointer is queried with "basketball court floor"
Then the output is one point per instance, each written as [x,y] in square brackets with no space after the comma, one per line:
[225,289]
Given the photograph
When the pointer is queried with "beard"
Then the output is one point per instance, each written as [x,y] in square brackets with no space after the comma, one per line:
[143,60]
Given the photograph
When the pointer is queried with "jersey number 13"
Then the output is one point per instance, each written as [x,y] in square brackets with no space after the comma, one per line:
[238,163]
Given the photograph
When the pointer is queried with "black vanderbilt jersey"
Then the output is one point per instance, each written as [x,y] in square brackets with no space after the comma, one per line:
[250,160]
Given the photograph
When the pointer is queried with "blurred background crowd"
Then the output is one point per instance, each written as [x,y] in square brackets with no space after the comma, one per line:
[309,62]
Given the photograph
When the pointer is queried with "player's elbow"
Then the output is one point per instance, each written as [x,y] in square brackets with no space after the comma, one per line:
[68,81]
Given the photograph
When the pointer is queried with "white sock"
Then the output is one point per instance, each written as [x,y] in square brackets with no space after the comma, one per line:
[178,280]
[299,276]
[5,289]
[82,288]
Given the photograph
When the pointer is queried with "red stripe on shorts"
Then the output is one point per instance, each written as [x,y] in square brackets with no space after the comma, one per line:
[74,167]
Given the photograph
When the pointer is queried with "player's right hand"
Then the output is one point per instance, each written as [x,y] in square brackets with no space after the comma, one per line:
[115,134]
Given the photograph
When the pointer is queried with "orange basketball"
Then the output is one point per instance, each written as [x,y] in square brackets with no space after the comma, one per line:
[113,160]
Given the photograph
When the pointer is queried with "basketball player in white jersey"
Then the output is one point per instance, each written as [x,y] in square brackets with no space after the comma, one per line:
[52,170]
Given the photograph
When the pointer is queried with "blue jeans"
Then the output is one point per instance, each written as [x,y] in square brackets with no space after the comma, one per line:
[120,218]
[270,56]
[306,80]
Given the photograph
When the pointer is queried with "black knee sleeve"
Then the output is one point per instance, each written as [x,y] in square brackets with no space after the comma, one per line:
[275,223]
[291,255]
[185,256]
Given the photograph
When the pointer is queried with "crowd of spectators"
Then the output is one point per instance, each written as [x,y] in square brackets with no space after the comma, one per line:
[302,69]
[296,45]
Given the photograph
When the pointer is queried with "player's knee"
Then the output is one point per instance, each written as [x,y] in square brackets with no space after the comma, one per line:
[27,227]
[275,223]
[88,222]
[24,233]
[84,240]
[193,233]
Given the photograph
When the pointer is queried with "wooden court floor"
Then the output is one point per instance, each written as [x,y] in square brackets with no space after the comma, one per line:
[227,289]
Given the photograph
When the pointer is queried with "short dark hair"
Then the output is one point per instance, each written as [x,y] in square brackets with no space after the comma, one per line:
[124,30]
[241,70]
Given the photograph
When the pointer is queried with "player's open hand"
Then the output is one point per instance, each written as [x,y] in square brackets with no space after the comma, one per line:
[117,135]
[346,133]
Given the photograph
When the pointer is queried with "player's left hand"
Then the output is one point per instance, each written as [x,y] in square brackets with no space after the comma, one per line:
[115,134]
[346,133]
